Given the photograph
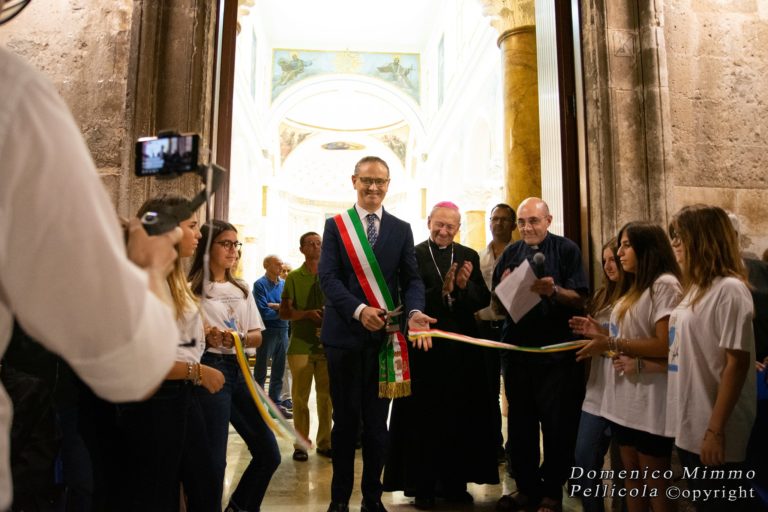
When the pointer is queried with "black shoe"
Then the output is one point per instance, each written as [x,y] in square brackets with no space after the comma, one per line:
[338,507]
[424,502]
[458,497]
[300,455]
[372,507]
[325,453]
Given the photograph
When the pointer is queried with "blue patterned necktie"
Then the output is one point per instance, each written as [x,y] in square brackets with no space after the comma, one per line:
[372,235]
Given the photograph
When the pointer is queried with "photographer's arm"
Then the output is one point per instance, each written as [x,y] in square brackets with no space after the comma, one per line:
[155,254]
[64,263]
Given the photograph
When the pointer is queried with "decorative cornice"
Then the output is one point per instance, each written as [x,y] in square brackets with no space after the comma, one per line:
[510,15]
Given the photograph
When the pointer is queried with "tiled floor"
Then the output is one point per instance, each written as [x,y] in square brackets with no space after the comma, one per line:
[306,486]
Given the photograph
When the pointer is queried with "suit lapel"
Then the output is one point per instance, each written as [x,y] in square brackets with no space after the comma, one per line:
[385,227]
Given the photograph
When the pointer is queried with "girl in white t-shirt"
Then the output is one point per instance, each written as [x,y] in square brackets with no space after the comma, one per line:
[638,328]
[594,433]
[711,397]
[165,439]
[229,306]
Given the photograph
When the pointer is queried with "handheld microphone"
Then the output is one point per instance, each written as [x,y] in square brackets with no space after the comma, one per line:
[538,265]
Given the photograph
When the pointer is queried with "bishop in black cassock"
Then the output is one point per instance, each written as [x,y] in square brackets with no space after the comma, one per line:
[443,436]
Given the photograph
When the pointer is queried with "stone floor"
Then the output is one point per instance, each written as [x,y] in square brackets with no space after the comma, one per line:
[306,486]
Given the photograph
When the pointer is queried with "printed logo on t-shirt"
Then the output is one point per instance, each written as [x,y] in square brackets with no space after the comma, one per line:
[674,344]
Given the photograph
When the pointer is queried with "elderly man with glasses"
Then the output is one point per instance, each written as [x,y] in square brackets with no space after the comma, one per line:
[543,389]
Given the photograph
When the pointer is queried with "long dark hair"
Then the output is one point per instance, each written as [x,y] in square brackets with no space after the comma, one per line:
[610,292]
[180,293]
[711,246]
[196,273]
[654,257]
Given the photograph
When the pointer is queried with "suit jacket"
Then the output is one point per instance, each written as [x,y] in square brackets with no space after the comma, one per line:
[343,294]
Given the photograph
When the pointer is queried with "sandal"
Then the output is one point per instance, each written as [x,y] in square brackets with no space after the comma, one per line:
[550,505]
[512,501]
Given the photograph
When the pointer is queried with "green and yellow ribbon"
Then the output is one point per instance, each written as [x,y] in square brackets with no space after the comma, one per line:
[548,349]
[266,407]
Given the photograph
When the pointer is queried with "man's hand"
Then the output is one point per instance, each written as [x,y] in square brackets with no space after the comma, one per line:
[544,286]
[372,318]
[274,306]
[420,322]
[462,276]
[449,280]
[315,316]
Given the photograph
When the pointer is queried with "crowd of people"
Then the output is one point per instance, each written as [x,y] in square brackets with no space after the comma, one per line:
[666,361]
[668,340]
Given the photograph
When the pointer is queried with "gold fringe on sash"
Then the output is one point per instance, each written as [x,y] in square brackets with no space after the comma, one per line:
[394,389]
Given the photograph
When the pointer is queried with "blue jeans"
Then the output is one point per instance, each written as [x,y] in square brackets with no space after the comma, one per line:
[233,404]
[274,345]
[591,446]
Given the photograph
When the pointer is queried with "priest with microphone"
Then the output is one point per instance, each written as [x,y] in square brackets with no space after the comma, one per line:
[543,389]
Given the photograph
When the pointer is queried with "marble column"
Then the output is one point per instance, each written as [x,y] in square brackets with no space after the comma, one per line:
[515,21]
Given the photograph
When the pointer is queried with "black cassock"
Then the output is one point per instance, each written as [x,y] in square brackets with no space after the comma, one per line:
[444,435]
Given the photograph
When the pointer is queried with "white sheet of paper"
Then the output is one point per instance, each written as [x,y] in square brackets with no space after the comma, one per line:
[515,293]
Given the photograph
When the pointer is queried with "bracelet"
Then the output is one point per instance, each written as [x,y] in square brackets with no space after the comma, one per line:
[716,434]
[195,371]
[625,349]
[189,371]
[199,374]
[639,364]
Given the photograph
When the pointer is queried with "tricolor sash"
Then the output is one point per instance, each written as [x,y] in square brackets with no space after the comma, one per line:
[394,372]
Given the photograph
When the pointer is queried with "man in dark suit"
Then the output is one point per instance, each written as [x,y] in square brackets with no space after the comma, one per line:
[354,331]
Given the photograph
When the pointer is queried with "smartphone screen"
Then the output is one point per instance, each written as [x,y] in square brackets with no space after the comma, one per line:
[157,156]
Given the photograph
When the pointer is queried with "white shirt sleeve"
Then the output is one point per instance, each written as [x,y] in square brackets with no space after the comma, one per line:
[65,276]
[733,314]
[667,293]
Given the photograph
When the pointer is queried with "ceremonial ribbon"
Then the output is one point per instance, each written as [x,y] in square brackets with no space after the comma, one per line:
[264,404]
[394,371]
[437,333]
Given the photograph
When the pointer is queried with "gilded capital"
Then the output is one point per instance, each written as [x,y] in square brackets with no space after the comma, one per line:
[507,15]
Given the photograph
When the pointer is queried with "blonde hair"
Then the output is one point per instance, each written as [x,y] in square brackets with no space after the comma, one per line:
[711,245]
[181,294]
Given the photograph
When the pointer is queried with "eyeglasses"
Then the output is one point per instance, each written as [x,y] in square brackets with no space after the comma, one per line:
[674,237]
[531,221]
[379,182]
[229,244]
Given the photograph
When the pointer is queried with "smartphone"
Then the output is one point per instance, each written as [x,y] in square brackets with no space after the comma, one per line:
[167,156]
